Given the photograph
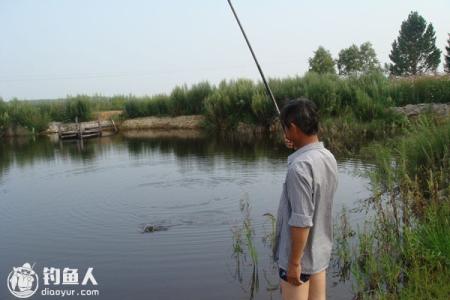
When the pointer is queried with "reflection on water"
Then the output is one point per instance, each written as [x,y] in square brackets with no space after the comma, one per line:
[84,204]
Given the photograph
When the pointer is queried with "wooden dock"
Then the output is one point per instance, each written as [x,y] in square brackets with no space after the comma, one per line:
[84,130]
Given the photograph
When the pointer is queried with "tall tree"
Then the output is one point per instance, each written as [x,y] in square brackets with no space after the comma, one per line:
[414,52]
[369,60]
[357,60]
[322,62]
[349,60]
[447,56]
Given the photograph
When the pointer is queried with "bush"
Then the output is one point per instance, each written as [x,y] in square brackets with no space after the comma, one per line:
[366,108]
[322,89]
[218,108]
[240,93]
[4,117]
[157,105]
[78,107]
[196,96]
[26,114]
[134,108]
[425,89]
[178,104]
[263,108]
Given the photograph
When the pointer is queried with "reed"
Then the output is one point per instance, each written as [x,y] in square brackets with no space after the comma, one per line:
[365,98]
[4,117]
[244,247]
[403,250]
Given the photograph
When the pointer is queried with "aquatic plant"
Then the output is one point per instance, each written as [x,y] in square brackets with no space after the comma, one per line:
[403,250]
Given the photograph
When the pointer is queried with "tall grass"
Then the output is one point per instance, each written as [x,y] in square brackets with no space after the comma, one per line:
[4,117]
[421,89]
[244,247]
[181,101]
[27,115]
[156,105]
[365,98]
[403,252]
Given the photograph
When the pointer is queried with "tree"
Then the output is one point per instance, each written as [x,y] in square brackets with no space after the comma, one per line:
[357,60]
[447,56]
[349,60]
[322,62]
[369,61]
[414,52]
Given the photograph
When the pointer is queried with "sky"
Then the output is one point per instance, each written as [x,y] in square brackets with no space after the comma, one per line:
[54,48]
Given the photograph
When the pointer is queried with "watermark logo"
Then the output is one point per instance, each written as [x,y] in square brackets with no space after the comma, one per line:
[23,281]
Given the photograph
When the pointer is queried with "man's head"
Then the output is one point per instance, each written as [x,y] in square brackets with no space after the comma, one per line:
[300,120]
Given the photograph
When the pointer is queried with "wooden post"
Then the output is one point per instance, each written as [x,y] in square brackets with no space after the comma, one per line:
[80,134]
[114,124]
[99,125]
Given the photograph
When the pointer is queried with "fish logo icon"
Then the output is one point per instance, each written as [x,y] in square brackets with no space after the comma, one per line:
[23,281]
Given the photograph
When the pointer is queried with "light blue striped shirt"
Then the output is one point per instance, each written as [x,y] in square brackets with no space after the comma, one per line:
[307,201]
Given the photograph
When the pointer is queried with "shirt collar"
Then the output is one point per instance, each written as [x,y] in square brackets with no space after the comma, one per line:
[315,145]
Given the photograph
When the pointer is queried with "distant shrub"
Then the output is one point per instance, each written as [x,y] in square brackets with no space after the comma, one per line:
[262,108]
[78,107]
[366,97]
[4,116]
[196,95]
[424,89]
[27,115]
[217,109]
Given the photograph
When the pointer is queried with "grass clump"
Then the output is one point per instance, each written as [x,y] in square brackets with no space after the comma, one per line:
[403,251]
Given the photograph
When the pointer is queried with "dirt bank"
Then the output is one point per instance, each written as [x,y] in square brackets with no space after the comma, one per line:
[414,110]
[162,133]
[180,122]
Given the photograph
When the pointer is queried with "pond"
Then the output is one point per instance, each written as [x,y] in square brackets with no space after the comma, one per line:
[84,205]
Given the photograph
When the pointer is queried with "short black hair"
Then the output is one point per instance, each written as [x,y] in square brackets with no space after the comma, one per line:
[303,113]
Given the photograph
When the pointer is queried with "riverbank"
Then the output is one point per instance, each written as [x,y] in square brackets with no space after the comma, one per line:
[342,134]
[235,103]
[402,251]
[193,122]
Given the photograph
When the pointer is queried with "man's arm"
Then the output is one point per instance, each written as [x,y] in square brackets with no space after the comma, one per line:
[299,236]
[299,190]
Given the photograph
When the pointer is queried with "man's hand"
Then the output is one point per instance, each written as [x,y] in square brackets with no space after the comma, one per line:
[288,143]
[293,274]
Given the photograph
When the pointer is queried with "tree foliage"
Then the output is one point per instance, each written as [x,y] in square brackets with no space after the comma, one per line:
[414,52]
[357,60]
[322,62]
[447,56]
[369,60]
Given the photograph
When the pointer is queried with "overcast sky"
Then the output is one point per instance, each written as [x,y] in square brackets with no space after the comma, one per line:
[54,48]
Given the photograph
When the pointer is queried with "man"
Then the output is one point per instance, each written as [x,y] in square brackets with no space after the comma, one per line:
[304,230]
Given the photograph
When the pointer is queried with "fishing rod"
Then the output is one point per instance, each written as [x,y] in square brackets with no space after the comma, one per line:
[268,90]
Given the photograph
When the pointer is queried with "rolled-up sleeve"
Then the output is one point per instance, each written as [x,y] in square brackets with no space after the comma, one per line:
[300,196]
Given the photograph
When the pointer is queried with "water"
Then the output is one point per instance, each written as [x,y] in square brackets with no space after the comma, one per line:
[84,205]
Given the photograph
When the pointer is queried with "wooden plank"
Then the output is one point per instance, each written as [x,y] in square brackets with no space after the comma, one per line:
[89,135]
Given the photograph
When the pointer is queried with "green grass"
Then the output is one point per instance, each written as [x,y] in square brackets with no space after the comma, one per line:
[403,251]
[244,247]
[362,98]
